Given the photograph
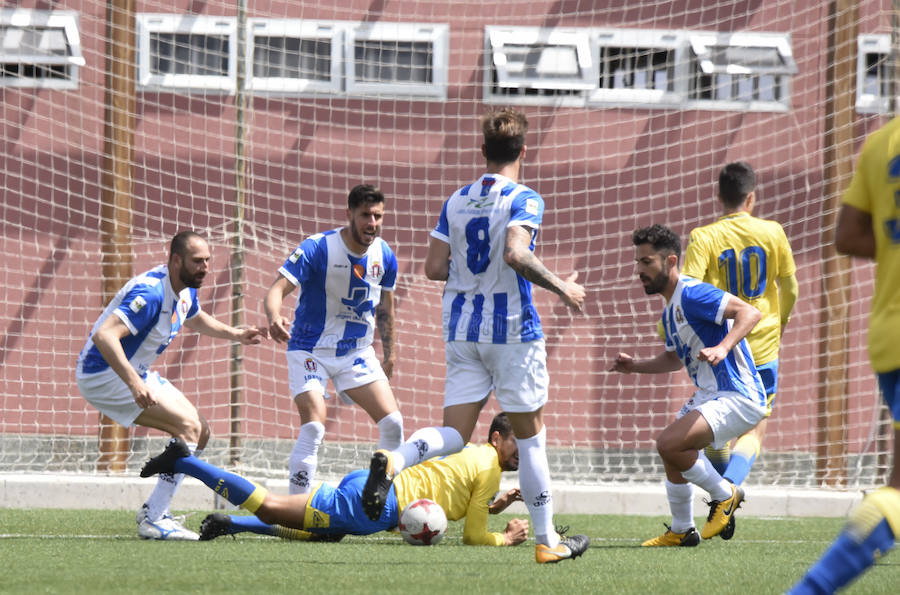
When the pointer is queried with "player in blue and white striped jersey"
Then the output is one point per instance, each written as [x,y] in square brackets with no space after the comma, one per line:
[113,370]
[705,329]
[346,278]
[483,247]
[485,300]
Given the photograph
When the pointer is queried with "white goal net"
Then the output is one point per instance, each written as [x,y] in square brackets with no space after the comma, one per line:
[250,121]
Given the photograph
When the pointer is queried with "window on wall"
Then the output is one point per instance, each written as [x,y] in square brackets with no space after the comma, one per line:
[533,64]
[186,52]
[291,56]
[402,59]
[741,69]
[874,74]
[39,49]
[638,67]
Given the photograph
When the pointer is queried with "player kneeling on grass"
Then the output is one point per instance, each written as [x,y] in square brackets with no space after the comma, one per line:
[705,329]
[464,485]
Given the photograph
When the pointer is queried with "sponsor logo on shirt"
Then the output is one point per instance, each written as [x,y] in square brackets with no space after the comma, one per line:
[360,271]
[137,304]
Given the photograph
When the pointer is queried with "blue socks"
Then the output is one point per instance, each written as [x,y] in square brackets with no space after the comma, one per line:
[869,534]
[231,486]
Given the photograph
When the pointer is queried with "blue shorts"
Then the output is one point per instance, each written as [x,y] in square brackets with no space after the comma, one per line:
[889,382]
[769,374]
[339,510]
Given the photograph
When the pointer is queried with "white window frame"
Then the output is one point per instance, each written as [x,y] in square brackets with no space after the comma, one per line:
[700,44]
[496,61]
[640,39]
[866,101]
[65,20]
[312,30]
[148,23]
[435,33]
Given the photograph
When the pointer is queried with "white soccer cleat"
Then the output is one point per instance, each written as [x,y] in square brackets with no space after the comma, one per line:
[141,514]
[167,528]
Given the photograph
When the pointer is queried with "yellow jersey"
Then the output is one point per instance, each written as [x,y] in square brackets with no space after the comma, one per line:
[464,484]
[744,255]
[875,189]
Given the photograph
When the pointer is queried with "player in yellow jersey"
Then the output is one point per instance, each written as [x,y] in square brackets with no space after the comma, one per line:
[869,227]
[751,258]
[464,484]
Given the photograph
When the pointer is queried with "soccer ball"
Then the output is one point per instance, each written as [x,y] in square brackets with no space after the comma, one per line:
[423,522]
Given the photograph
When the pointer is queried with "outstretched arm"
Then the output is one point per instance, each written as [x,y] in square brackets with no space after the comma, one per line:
[517,254]
[666,361]
[205,324]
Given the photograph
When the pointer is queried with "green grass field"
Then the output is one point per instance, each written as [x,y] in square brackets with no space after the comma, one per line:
[64,551]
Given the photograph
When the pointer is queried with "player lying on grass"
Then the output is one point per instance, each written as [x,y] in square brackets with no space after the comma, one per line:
[463,484]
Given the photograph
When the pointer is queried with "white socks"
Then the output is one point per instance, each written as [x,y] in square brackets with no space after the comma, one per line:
[703,474]
[161,496]
[390,431]
[534,481]
[424,444]
[681,503]
[304,457]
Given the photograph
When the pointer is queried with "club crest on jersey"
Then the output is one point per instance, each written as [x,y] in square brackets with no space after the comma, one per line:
[679,315]
[375,269]
[184,308]
[310,364]
[137,304]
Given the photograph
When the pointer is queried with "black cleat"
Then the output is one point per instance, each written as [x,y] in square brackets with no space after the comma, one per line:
[215,525]
[728,532]
[165,461]
[569,548]
[327,537]
[378,484]
[689,538]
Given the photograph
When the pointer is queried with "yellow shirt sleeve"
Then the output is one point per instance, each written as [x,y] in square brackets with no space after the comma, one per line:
[696,258]
[487,483]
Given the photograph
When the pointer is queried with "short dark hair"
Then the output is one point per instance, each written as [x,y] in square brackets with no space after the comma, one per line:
[180,241]
[364,193]
[736,181]
[504,135]
[660,237]
[501,424]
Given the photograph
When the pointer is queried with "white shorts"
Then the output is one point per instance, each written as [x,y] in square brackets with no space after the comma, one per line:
[112,397]
[729,414]
[308,371]
[516,372]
